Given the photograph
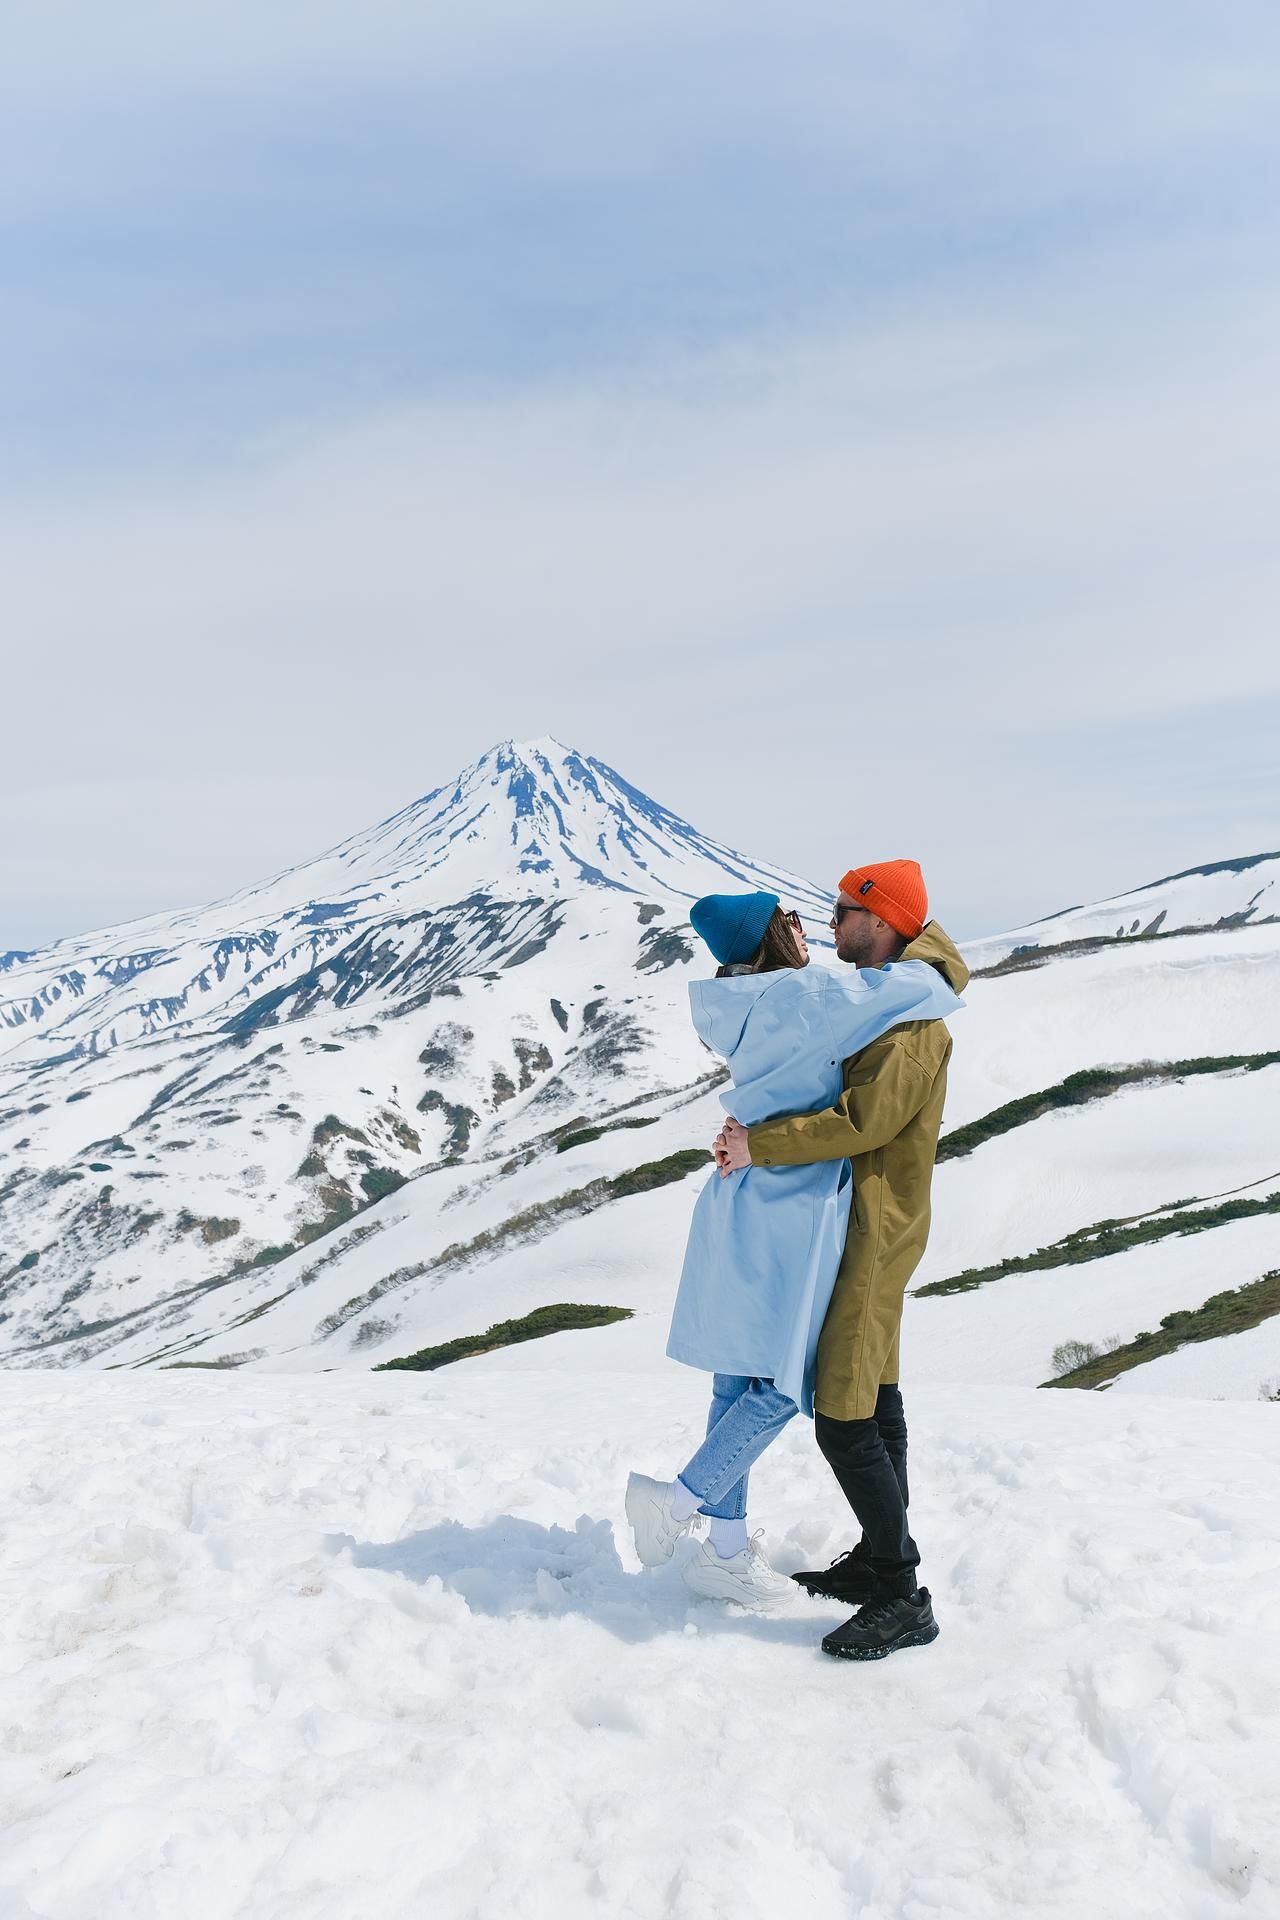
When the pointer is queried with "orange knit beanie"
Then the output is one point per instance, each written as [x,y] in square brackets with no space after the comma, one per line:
[895,890]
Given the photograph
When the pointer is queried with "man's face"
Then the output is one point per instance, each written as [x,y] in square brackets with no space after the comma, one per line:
[856,932]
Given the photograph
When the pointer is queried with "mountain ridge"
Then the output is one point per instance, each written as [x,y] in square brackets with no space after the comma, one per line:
[518,825]
[285,1112]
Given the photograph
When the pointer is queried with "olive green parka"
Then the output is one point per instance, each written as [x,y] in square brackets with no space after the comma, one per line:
[886,1123]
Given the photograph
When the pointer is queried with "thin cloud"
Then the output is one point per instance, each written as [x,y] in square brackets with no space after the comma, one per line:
[775,588]
[828,419]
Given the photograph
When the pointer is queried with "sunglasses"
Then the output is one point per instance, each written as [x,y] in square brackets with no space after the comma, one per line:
[842,907]
[793,919]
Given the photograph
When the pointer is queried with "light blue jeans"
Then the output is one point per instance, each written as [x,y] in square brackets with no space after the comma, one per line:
[745,1416]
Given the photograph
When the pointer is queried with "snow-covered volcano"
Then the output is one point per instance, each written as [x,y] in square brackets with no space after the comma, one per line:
[472,876]
[444,1074]
[198,1090]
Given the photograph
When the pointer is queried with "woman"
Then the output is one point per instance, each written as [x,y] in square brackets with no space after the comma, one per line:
[765,1243]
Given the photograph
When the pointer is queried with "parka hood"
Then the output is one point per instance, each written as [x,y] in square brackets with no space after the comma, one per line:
[940,951]
[720,1007]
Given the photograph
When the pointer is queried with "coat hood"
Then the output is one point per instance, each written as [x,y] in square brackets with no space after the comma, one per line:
[940,951]
[720,1007]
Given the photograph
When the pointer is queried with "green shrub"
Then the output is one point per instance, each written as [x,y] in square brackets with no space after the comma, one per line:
[1223,1313]
[522,1228]
[270,1255]
[339,1207]
[562,1318]
[1094,1083]
[1024,958]
[582,1135]
[1107,1237]
[379,1182]
[1072,1354]
[660,1173]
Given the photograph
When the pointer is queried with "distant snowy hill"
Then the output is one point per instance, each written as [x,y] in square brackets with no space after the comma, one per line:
[444,1075]
[1225,894]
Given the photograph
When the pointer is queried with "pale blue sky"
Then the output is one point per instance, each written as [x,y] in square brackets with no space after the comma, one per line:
[837,419]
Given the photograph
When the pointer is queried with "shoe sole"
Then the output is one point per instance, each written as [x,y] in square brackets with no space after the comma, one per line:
[741,1600]
[642,1501]
[846,1596]
[920,1638]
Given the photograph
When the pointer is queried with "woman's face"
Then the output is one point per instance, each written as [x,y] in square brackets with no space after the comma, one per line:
[798,935]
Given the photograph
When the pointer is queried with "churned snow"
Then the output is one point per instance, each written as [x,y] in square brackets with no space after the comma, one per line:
[359,1646]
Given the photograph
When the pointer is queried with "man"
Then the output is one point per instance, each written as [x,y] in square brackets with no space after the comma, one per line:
[886,1123]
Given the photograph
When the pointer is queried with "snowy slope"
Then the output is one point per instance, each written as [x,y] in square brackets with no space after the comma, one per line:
[338,1644]
[208,1193]
[184,1095]
[1142,1148]
[287,1650]
[1225,893]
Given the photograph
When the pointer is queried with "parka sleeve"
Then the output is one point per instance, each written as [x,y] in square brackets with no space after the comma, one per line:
[884,1089]
[863,1003]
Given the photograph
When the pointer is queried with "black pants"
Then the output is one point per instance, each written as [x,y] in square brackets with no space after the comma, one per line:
[869,1459]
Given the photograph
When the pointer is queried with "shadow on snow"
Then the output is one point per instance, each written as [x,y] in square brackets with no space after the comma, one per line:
[514,1567]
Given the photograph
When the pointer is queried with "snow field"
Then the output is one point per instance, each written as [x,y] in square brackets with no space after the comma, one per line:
[247,1169]
[1013,1194]
[1140,1148]
[449,1207]
[346,1647]
[1133,1152]
[1004,1333]
[1201,897]
[1214,993]
[1241,1366]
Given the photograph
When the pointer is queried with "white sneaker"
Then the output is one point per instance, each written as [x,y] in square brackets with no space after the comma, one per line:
[654,1525]
[746,1578]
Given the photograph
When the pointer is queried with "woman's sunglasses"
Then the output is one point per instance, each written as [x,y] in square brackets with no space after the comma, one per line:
[794,919]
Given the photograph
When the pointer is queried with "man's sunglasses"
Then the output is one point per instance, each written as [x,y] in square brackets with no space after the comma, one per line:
[842,907]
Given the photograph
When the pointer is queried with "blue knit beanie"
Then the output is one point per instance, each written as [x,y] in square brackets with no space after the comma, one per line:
[733,924]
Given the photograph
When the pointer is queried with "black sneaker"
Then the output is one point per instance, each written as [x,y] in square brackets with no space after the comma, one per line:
[882,1626]
[847,1578]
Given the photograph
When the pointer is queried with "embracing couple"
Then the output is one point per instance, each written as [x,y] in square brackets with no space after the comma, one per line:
[806,1234]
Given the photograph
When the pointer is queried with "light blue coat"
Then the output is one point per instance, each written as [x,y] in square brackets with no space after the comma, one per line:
[765,1244]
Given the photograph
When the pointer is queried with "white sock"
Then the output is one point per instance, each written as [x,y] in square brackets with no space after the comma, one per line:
[683,1502]
[729,1537]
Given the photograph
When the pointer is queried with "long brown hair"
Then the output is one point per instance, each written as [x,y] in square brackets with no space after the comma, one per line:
[777,950]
